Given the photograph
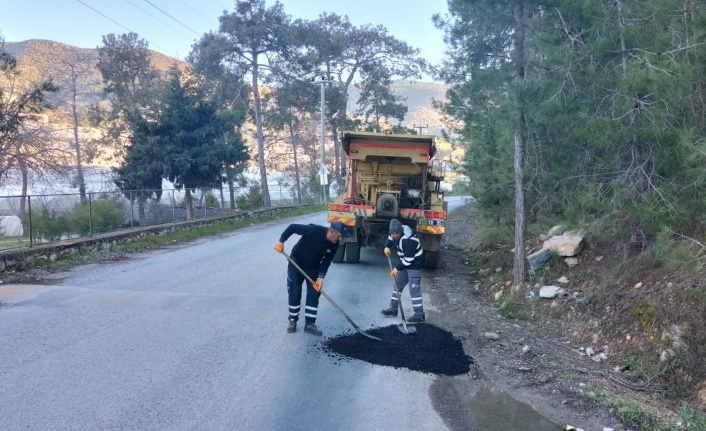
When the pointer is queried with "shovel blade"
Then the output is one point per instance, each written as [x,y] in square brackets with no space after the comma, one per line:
[406,329]
[360,331]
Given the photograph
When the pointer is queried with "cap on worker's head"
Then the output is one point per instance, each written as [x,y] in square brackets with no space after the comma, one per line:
[395,226]
[341,228]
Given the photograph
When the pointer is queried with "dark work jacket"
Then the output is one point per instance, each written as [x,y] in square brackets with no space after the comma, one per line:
[312,250]
[408,249]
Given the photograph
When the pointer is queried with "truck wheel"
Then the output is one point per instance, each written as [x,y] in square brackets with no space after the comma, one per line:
[338,257]
[432,260]
[353,252]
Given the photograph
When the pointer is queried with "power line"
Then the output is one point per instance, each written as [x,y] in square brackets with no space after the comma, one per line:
[114,21]
[181,23]
[158,19]
[216,1]
[197,12]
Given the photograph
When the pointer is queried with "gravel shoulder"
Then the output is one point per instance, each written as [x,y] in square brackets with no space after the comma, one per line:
[529,363]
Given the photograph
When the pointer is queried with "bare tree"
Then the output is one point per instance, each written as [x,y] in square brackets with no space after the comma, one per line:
[20,103]
[37,154]
[75,77]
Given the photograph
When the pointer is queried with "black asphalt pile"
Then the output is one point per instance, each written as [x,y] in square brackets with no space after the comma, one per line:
[430,350]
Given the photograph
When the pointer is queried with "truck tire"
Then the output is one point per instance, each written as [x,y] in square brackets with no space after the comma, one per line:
[432,260]
[338,257]
[353,252]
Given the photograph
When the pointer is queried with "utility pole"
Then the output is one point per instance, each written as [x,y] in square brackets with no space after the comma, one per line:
[323,172]
[414,126]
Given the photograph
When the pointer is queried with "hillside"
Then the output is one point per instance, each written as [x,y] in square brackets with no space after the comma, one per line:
[419,97]
[623,331]
[40,59]
[43,59]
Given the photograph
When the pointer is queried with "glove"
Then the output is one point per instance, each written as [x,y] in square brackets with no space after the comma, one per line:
[279,247]
[387,251]
[318,284]
[393,273]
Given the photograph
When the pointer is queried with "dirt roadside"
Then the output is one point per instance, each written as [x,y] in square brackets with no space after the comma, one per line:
[526,362]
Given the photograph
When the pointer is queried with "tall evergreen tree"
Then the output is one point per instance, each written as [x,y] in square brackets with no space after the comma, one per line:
[488,47]
[341,50]
[247,37]
[608,105]
[129,78]
[622,107]
[225,84]
[186,140]
[377,101]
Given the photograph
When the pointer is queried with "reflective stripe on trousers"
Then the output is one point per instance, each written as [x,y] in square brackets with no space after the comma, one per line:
[414,278]
[294,291]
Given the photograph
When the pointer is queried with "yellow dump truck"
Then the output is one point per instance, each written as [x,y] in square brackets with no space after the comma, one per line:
[390,176]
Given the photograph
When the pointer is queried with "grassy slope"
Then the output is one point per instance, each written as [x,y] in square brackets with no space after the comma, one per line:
[643,307]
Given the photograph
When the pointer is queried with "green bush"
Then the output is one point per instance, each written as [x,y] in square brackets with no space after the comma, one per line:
[47,225]
[251,200]
[691,418]
[103,215]
[666,378]
[514,306]
[675,255]
[211,200]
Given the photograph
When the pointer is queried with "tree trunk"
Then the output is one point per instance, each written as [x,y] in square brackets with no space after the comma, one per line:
[292,137]
[623,50]
[141,208]
[519,267]
[77,145]
[188,203]
[337,154]
[25,184]
[260,136]
[519,58]
[24,198]
[343,116]
[231,188]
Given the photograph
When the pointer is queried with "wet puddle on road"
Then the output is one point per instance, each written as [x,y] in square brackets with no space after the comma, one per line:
[495,410]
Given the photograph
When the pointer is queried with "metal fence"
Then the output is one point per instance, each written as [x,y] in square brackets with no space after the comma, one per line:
[29,220]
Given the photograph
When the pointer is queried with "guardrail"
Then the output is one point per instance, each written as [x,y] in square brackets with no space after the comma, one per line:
[18,259]
[32,220]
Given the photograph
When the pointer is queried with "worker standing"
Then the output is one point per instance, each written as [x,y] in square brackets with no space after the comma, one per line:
[407,270]
[313,253]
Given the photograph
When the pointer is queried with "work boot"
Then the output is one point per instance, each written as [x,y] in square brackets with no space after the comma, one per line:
[390,312]
[416,318]
[312,329]
[292,327]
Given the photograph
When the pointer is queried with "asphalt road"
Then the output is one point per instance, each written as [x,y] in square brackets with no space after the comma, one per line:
[193,337]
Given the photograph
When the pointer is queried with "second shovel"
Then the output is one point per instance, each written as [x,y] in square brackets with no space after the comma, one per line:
[402,326]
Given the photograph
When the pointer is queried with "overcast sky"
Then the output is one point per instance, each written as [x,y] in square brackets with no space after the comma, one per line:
[171,26]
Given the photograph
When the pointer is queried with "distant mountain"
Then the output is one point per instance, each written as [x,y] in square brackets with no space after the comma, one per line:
[419,97]
[36,49]
[40,59]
